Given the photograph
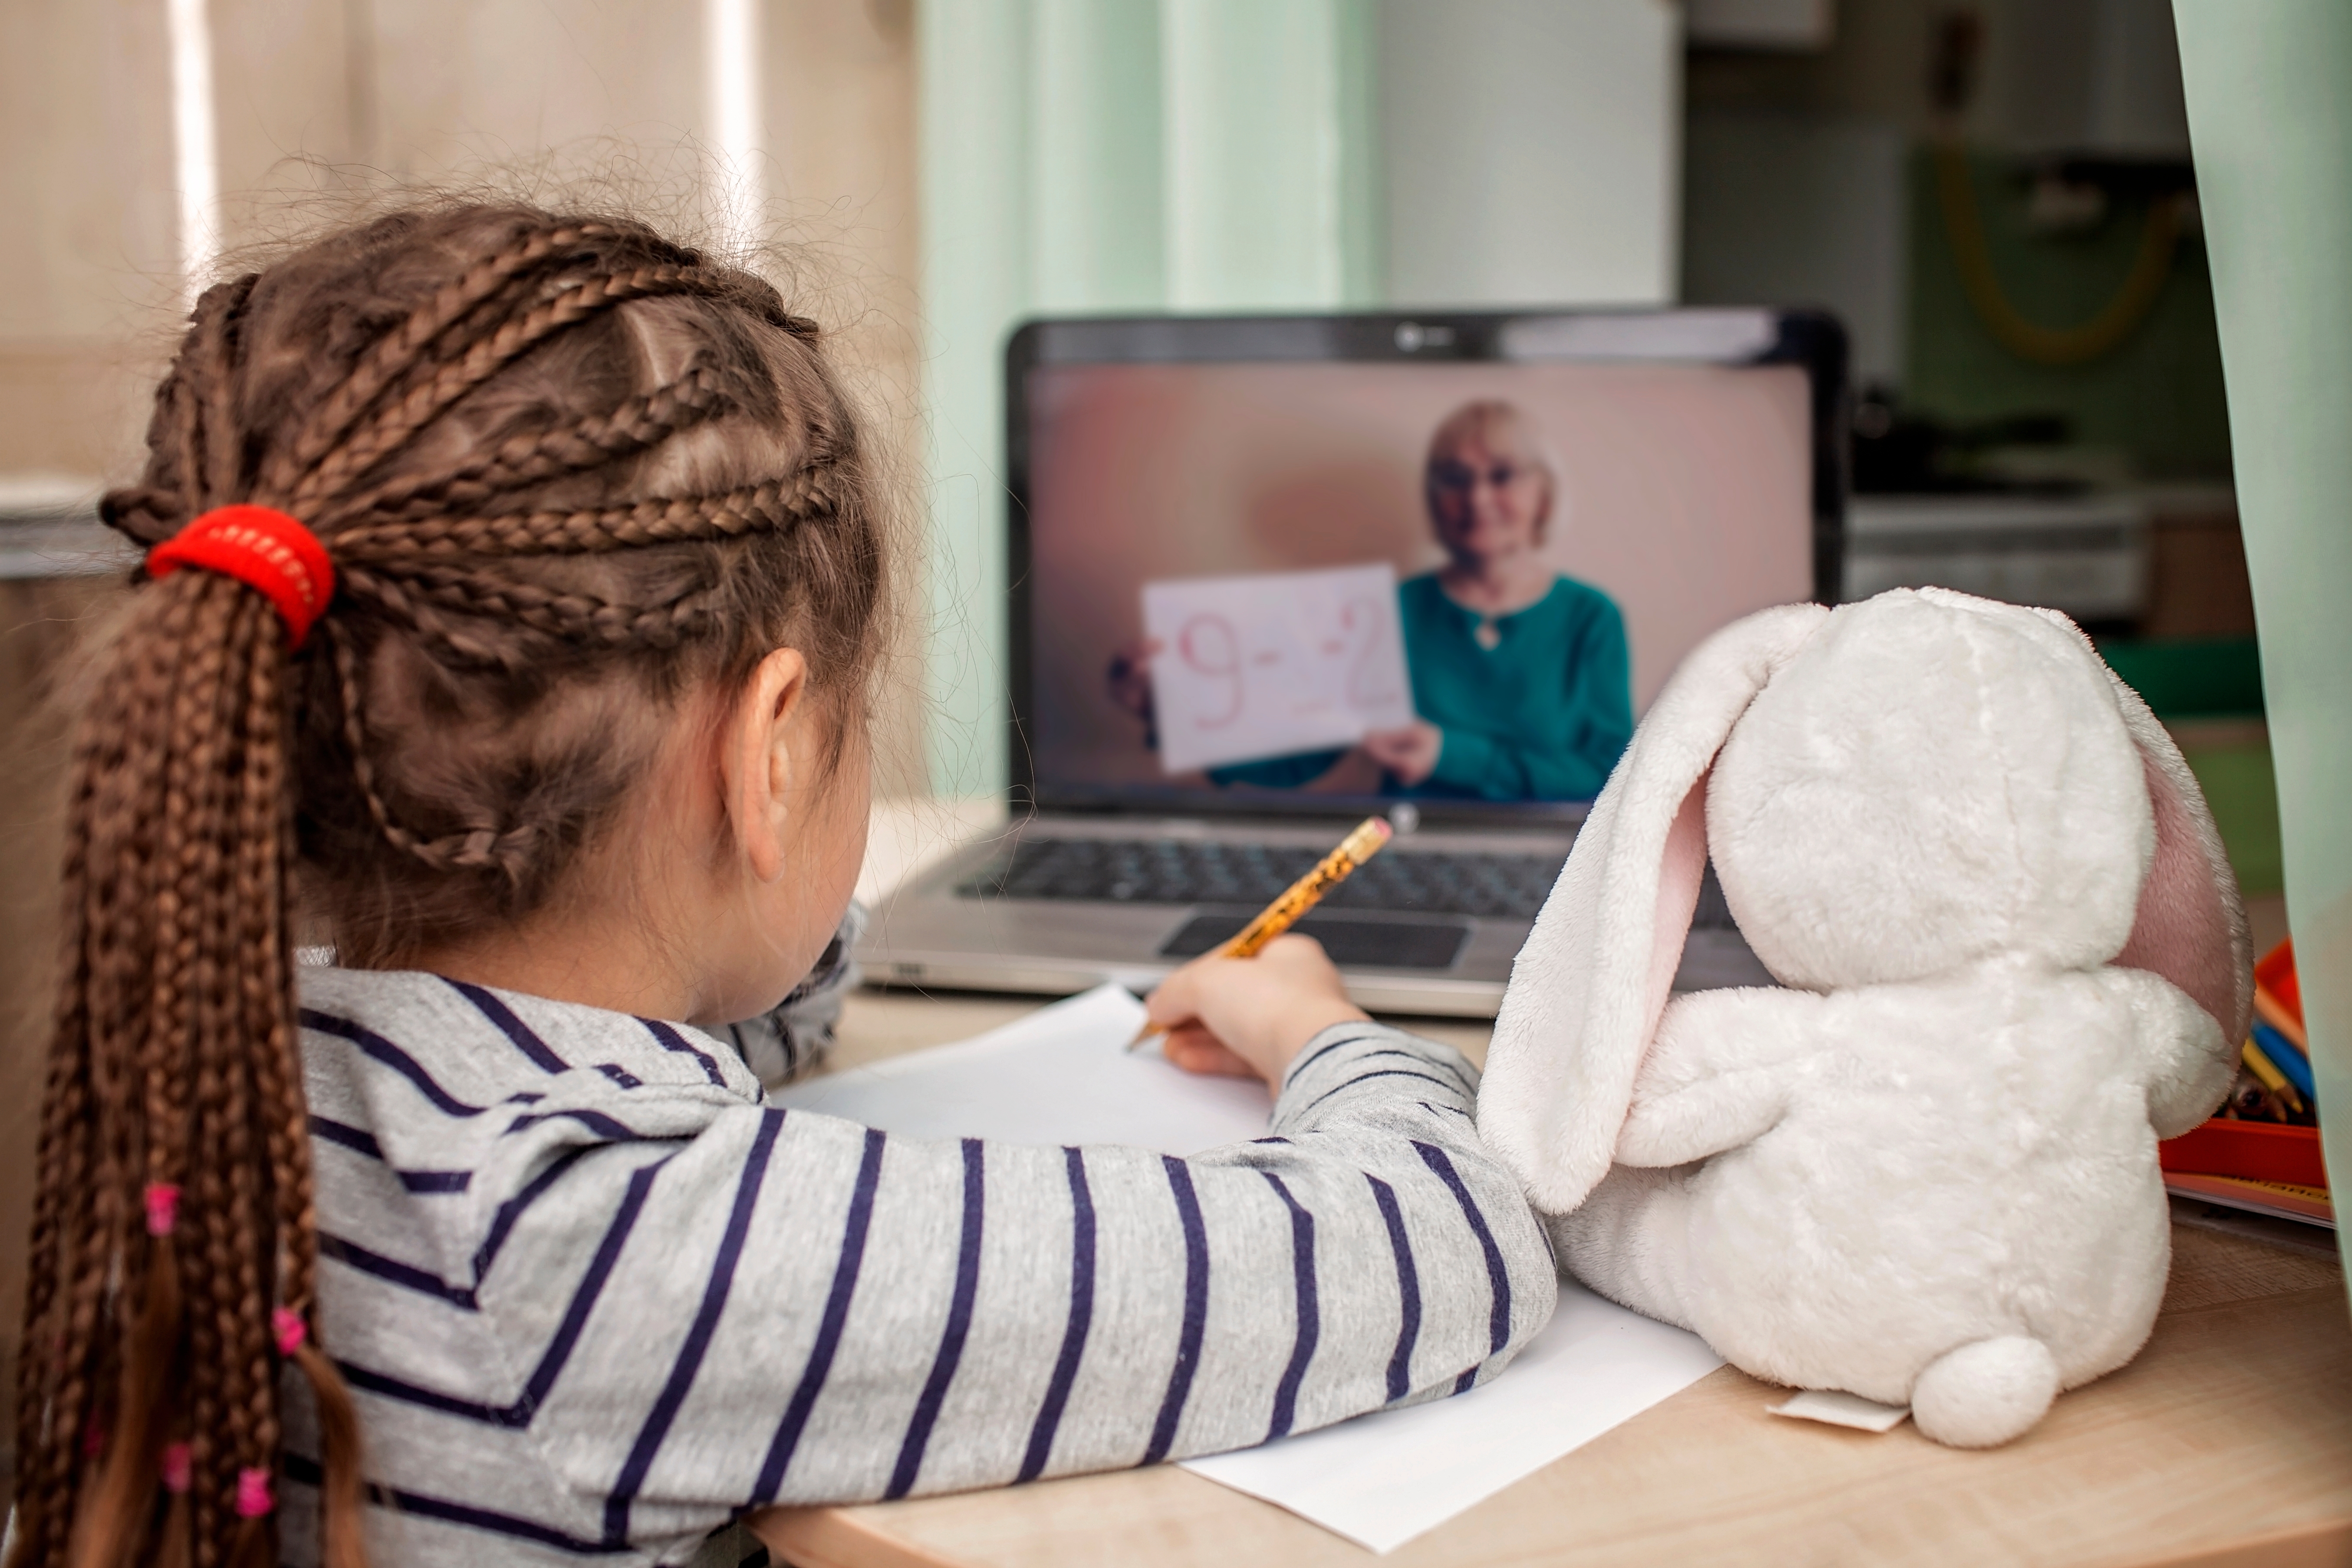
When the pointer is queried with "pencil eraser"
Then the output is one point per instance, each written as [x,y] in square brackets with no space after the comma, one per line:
[1837,1409]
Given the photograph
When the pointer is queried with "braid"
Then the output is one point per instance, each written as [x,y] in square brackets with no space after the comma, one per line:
[533,459]
[476,847]
[392,355]
[404,417]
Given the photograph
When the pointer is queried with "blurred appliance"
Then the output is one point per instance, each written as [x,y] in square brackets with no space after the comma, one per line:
[2087,555]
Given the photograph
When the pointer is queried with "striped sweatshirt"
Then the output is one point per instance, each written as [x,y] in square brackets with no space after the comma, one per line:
[596,1299]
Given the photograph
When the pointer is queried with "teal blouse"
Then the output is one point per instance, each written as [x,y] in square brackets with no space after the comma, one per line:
[1542,715]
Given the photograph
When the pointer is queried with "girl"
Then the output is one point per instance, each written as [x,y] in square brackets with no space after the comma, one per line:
[514,582]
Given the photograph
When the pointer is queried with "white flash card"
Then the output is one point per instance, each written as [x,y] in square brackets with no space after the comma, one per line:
[1273,663]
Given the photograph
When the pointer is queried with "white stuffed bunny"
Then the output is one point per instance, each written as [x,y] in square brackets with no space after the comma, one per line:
[1926,1172]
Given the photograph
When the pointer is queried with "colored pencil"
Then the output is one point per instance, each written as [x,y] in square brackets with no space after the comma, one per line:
[2286,1058]
[2274,1012]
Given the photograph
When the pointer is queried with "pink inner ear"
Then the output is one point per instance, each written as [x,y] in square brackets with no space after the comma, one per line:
[1678,879]
[2182,929]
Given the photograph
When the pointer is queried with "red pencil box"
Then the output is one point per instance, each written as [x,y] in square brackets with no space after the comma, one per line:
[2254,1150]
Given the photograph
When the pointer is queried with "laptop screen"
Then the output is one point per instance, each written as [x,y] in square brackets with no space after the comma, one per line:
[1270,584]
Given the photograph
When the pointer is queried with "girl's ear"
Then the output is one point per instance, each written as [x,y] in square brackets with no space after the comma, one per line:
[2190,926]
[763,758]
[1588,988]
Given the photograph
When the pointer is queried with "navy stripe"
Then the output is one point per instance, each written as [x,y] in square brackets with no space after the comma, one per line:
[943,1366]
[304,1470]
[390,1270]
[1408,1291]
[367,1380]
[1301,1064]
[1367,1077]
[596,1122]
[1311,1317]
[623,1496]
[377,1048]
[358,1140]
[1082,1316]
[1425,1059]
[512,1027]
[361,1141]
[828,1332]
[1196,1310]
[559,1348]
[512,1210]
[671,1040]
[1497,1277]
[592,1286]
[620,1075]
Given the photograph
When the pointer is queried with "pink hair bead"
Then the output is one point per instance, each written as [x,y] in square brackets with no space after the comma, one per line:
[163,1207]
[252,1499]
[287,1326]
[178,1466]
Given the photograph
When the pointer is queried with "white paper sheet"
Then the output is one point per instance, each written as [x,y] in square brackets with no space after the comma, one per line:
[1840,1409]
[1277,662]
[1057,1076]
[1060,1076]
[1383,1478]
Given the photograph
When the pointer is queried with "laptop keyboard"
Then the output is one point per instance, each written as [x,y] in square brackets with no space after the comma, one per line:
[1190,871]
[1194,871]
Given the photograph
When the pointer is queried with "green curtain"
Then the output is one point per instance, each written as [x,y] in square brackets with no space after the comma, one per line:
[1110,155]
[2270,120]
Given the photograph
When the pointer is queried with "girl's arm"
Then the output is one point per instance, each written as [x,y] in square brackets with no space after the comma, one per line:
[790,1308]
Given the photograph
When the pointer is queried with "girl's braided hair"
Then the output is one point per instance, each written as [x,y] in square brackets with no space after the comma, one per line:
[568,473]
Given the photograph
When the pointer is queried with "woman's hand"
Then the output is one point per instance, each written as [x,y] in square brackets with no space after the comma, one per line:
[1129,678]
[1250,1016]
[1410,752]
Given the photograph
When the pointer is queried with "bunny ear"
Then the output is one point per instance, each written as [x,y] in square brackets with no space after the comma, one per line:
[2190,927]
[1587,988]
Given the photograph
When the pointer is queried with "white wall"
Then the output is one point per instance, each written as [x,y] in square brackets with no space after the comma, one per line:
[1532,150]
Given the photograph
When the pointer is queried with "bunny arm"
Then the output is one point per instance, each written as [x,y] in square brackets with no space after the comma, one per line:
[1717,1074]
[2189,1062]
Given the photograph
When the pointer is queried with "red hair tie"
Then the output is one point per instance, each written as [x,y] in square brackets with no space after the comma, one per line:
[266,550]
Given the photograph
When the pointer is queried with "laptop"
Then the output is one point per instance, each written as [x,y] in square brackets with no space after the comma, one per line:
[1269,576]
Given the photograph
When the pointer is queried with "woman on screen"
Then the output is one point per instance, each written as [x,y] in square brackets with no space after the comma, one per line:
[1520,674]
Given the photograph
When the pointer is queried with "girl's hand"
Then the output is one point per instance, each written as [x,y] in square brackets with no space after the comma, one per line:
[1250,1016]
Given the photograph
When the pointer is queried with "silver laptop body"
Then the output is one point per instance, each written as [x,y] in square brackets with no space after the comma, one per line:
[1109,872]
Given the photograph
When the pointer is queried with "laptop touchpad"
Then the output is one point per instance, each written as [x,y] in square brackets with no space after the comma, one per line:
[1352,943]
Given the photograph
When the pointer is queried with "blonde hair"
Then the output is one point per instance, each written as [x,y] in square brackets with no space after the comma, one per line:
[1484,418]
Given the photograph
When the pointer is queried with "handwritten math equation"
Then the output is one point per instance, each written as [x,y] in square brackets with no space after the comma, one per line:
[1275,662]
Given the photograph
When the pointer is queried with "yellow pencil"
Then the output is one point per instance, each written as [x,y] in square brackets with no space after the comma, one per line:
[1300,897]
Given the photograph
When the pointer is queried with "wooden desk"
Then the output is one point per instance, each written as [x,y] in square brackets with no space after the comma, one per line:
[2227,1443]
